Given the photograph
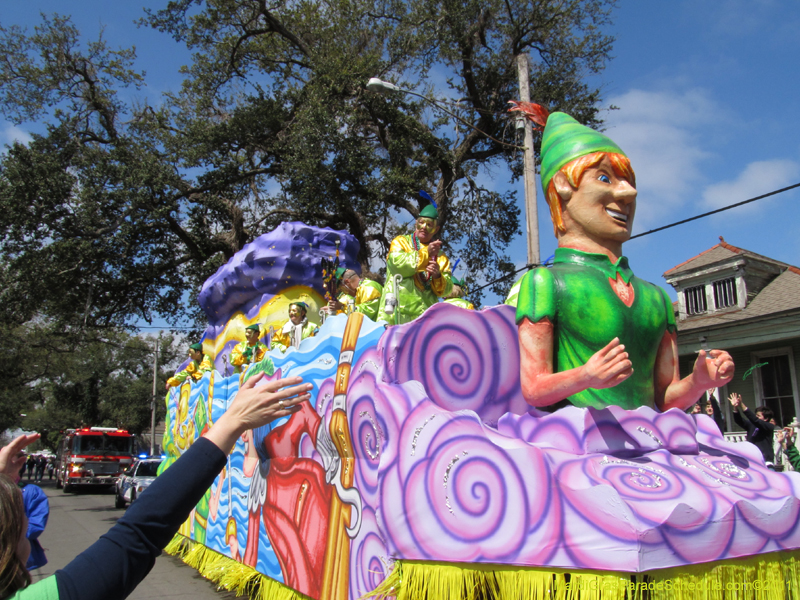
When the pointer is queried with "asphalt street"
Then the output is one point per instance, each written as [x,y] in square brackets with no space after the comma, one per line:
[78,519]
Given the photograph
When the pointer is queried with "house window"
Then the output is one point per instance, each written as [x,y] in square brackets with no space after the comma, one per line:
[725,293]
[695,300]
[776,384]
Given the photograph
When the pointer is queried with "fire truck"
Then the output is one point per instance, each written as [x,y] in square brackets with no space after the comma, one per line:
[93,456]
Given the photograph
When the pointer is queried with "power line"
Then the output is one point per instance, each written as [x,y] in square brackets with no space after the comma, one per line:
[713,212]
[638,235]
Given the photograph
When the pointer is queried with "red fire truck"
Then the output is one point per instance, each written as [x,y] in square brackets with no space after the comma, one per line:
[93,456]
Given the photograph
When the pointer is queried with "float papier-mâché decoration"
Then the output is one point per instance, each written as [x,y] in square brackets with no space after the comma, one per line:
[419,470]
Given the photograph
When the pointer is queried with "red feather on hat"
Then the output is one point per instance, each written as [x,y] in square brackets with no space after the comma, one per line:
[535,112]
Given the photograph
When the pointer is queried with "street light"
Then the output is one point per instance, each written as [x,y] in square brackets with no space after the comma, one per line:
[532,219]
[380,86]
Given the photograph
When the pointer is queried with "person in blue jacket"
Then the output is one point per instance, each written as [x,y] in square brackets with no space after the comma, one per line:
[37,509]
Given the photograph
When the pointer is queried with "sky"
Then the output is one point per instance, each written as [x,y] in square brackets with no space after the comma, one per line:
[707,97]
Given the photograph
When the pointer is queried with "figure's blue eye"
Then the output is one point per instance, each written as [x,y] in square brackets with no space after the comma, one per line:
[604,178]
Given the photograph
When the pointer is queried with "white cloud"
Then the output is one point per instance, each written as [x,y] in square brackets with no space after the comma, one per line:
[660,133]
[13,134]
[758,178]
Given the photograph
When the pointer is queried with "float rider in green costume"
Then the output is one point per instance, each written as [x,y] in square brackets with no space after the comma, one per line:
[357,295]
[250,351]
[457,295]
[591,333]
[200,363]
[425,270]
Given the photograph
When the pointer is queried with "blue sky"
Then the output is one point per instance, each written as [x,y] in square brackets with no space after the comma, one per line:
[707,94]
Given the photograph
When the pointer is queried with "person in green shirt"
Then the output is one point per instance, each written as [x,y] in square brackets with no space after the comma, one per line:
[357,295]
[591,333]
[425,270]
[296,329]
[200,363]
[456,297]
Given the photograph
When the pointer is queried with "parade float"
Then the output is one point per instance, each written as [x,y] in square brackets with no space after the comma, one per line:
[419,470]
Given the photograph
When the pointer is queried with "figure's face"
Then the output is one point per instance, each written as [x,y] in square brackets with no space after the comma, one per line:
[425,229]
[603,206]
[351,284]
[251,335]
[760,415]
[696,409]
[195,355]
[710,409]
[296,314]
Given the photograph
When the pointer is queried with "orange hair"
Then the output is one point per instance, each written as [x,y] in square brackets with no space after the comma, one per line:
[574,171]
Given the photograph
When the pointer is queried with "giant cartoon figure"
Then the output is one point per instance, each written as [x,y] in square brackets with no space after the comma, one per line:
[590,331]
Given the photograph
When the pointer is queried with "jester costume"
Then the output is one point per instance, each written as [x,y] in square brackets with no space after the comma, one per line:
[243,354]
[194,370]
[409,257]
[366,300]
[291,334]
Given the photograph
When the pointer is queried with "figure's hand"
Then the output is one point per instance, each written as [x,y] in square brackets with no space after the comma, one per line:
[736,401]
[12,456]
[167,386]
[434,248]
[433,270]
[713,369]
[608,367]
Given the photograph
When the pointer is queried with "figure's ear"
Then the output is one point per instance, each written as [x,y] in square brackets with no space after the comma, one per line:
[563,187]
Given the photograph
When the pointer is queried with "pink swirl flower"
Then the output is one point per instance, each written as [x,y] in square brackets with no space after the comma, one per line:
[464,360]
[478,504]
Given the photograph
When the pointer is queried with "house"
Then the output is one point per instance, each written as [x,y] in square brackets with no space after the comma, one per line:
[749,305]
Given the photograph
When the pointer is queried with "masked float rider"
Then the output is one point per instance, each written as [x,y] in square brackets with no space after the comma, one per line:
[357,295]
[200,363]
[456,297]
[592,333]
[425,270]
[296,329]
[250,351]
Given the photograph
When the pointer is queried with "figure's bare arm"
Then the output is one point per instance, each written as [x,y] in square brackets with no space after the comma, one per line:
[608,367]
[712,369]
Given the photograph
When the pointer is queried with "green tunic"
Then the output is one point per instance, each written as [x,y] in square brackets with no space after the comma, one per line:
[577,296]
[415,294]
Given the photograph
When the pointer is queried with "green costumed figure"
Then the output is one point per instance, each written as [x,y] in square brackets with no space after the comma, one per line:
[358,295]
[425,270]
[457,295]
[200,363]
[591,333]
[296,329]
[248,352]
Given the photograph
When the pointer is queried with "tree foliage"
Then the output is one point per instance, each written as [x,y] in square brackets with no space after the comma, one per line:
[50,381]
[125,207]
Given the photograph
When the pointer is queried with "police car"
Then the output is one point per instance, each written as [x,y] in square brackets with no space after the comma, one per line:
[136,479]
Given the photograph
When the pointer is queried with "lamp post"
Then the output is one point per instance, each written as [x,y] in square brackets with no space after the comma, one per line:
[153,399]
[378,85]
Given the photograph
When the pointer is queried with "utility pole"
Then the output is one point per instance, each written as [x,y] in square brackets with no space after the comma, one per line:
[529,164]
[153,399]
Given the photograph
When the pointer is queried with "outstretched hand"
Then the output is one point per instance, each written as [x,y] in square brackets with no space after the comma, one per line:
[255,406]
[607,367]
[713,369]
[12,456]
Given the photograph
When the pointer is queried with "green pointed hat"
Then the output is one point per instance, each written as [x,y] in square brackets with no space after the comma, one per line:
[196,347]
[430,212]
[564,140]
[254,327]
[302,305]
[340,272]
